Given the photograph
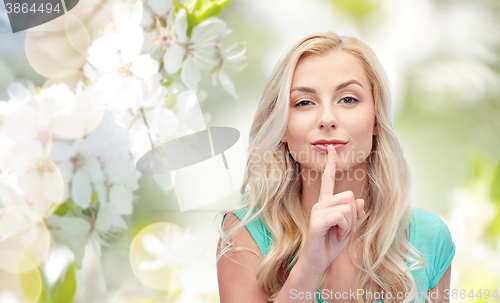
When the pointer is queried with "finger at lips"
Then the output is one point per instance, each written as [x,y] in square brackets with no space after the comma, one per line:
[328,177]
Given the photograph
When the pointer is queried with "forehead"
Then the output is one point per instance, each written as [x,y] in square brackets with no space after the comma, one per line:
[335,66]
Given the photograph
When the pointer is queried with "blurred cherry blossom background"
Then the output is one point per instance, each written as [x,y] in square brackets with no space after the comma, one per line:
[78,222]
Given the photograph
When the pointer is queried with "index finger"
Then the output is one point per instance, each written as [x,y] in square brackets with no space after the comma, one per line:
[328,177]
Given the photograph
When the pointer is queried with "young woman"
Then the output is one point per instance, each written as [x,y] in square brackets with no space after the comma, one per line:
[325,214]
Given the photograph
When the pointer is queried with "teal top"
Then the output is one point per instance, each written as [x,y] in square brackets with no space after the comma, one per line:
[428,234]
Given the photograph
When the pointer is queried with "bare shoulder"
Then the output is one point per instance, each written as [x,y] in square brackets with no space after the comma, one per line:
[243,238]
[236,270]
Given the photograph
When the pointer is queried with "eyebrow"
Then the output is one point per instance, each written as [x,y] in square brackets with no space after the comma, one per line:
[303,89]
[313,91]
[346,84]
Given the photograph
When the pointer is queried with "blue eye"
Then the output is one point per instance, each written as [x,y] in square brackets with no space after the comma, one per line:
[349,100]
[302,102]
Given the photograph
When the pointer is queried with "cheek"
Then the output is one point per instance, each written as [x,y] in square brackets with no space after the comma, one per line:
[296,129]
[360,129]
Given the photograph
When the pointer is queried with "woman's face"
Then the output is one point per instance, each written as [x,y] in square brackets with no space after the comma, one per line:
[330,99]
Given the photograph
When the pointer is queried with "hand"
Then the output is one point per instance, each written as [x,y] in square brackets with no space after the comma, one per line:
[333,219]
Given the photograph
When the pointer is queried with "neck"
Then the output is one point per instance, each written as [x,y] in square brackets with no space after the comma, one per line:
[344,180]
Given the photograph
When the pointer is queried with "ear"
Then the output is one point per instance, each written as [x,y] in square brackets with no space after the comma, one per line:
[375,130]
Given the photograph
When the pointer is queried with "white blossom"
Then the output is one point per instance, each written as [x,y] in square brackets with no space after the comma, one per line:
[27,176]
[24,127]
[229,57]
[199,49]
[70,115]
[31,181]
[22,232]
[116,62]
[159,9]
[80,146]
[22,95]
[101,162]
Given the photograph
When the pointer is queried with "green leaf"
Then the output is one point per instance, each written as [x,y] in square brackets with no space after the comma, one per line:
[178,6]
[192,22]
[495,186]
[167,81]
[87,212]
[191,19]
[65,287]
[62,209]
[192,5]
[198,11]
[95,196]
[68,205]
[210,9]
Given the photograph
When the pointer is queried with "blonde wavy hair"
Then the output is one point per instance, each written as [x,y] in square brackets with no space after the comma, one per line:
[277,200]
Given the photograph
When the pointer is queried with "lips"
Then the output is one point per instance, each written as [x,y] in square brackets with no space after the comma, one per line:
[320,145]
[323,148]
[332,141]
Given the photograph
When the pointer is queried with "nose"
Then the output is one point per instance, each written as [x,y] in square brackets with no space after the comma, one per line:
[327,118]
